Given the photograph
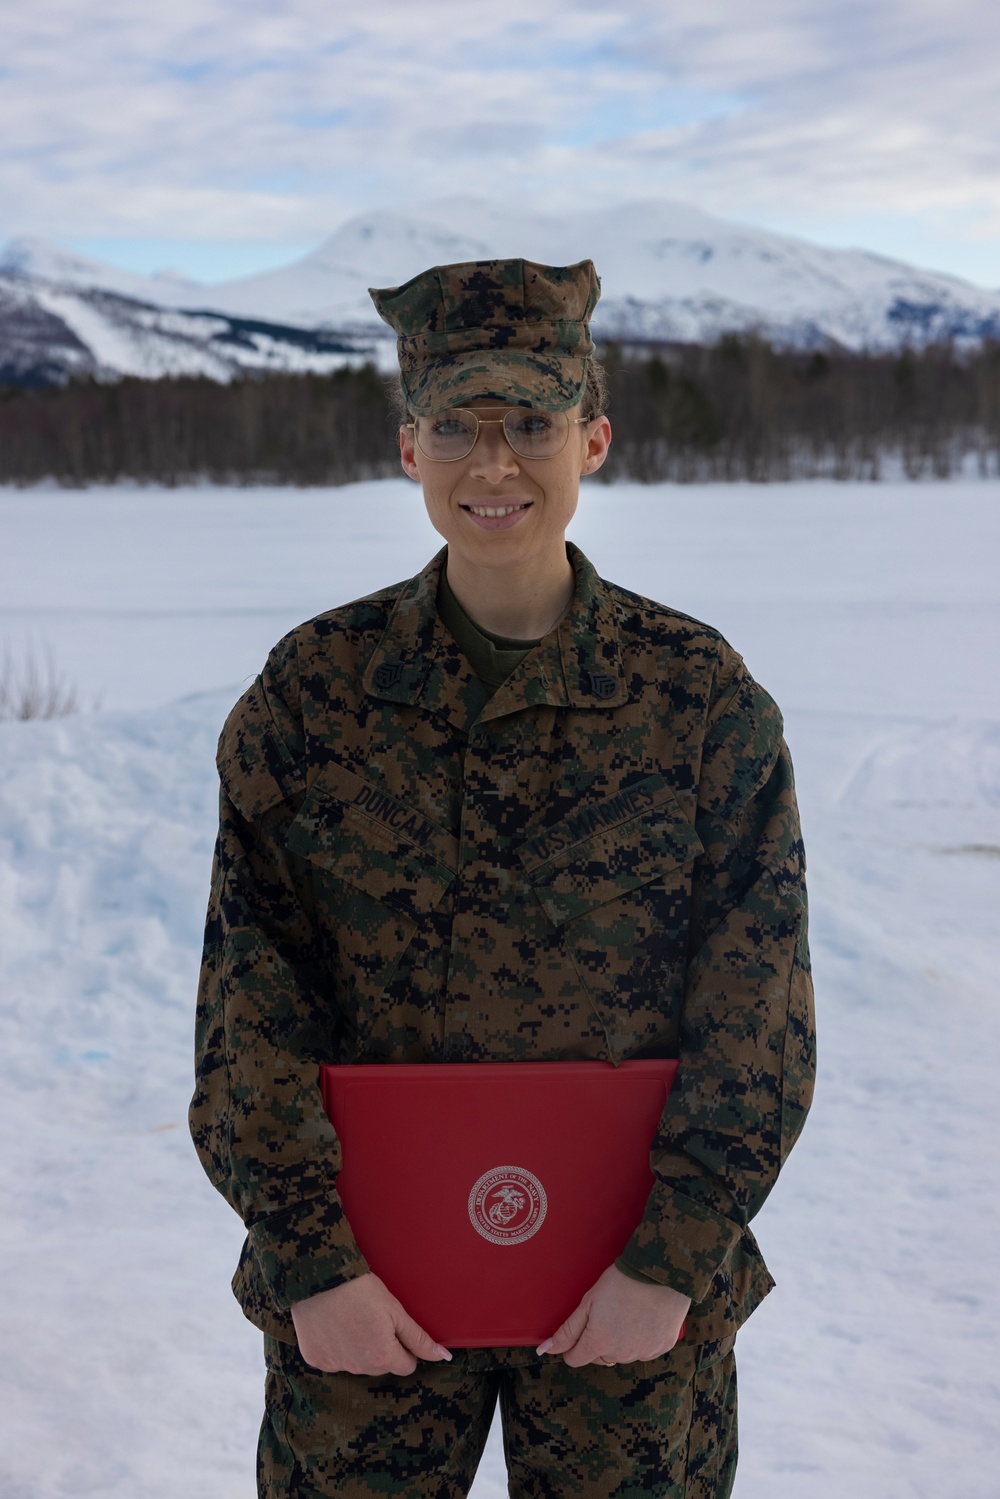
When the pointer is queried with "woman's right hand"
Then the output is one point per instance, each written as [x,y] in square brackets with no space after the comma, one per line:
[360,1328]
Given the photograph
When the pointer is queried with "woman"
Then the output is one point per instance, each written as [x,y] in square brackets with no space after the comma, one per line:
[504,811]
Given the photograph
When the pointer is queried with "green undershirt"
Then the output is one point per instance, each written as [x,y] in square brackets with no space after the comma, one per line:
[492,657]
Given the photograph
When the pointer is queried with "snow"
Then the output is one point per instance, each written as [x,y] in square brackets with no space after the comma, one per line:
[127,338]
[669,271]
[30,255]
[129,347]
[872,613]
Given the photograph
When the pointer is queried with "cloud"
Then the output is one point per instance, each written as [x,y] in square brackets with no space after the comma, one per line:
[214,119]
[480,138]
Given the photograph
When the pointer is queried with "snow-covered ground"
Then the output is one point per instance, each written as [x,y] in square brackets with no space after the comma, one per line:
[872,613]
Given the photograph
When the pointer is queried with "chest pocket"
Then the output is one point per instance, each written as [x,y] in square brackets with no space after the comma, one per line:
[621,898]
[378,885]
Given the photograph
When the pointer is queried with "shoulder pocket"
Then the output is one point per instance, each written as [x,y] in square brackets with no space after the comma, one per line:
[257,769]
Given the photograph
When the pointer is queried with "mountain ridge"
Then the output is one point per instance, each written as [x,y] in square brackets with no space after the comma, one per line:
[670,273]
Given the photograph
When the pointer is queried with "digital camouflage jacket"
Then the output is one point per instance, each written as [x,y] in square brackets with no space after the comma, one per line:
[601,861]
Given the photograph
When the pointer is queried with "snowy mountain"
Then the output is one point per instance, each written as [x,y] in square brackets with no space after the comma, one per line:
[37,258]
[669,272]
[51,331]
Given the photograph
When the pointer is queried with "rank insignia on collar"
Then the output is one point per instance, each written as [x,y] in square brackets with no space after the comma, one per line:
[603,686]
[388,674]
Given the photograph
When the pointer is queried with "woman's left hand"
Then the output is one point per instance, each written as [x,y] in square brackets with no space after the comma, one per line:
[619,1321]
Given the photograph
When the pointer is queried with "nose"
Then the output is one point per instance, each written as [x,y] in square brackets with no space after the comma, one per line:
[493,458]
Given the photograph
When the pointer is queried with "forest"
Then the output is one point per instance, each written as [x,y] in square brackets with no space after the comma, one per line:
[739,409]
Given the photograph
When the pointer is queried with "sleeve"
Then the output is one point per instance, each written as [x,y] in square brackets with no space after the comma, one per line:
[265,1019]
[747,1052]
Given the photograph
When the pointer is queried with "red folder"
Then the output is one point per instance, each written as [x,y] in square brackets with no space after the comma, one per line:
[489,1197]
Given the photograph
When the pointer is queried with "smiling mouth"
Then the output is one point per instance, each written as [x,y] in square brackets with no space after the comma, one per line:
[496,511]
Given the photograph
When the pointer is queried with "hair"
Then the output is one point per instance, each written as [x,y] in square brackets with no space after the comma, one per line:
[593,403]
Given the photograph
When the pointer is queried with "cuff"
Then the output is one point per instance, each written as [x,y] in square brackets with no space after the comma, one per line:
[640,1275]
[306,1249]
[679,1243]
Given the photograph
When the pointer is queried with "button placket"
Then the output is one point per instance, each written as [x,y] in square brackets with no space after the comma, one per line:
[475,832]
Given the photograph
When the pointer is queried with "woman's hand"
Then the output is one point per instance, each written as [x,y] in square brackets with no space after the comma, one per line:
[618,1321]
[360,1328]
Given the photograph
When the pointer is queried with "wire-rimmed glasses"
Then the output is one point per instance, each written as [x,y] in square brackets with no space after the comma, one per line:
[447,436]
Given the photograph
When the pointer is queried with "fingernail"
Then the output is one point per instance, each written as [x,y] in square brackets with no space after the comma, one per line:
[544,1347]
[442,1352]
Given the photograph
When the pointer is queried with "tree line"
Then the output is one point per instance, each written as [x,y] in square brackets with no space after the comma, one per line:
[739,409]
[282,429]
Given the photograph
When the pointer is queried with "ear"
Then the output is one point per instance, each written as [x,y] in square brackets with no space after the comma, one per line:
[407,453]
[597,441]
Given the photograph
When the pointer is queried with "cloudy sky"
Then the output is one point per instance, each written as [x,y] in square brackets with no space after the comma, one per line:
[223,136]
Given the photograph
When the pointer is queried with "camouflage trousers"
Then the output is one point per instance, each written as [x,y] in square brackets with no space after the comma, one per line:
[665,1428]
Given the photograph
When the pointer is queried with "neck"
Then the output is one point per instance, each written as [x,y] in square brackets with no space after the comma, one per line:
[522,602]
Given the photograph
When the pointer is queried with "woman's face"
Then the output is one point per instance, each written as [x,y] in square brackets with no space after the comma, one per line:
[497,509]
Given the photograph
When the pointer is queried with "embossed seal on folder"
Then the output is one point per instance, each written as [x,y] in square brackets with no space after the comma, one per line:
[507,1205]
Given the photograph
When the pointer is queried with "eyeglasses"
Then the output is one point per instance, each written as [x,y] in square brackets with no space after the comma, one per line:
[449,435]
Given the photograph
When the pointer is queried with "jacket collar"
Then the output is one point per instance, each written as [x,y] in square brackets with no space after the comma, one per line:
[578,663]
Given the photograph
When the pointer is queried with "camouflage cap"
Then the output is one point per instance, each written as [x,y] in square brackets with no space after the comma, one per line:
[510,330]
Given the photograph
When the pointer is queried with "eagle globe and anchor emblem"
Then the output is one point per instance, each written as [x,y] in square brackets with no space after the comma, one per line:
[507,1205]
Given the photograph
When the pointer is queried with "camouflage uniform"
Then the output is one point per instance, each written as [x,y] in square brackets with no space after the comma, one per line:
[665,1428]
[602,860]
[599,860]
